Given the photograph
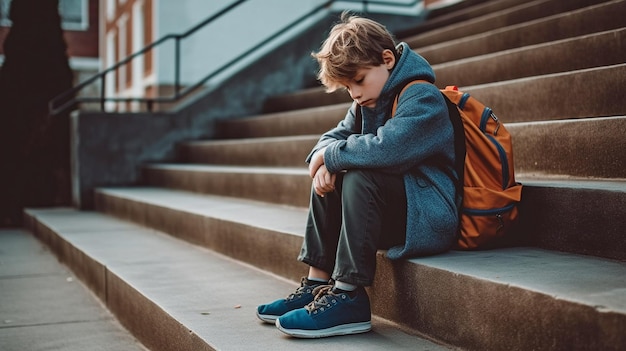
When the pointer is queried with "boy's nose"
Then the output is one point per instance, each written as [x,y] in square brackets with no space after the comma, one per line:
[355,94]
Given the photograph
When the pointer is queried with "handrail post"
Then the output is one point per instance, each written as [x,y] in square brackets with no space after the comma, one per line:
[177,66]
[103,86]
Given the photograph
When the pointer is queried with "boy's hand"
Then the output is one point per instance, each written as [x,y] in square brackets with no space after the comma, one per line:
[316,162]
[323,181]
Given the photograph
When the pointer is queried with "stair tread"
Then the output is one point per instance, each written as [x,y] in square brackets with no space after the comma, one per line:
[586,23]
[596,282]
[530,11]
[212,296]
[616,185]
[583,279]
[280,218]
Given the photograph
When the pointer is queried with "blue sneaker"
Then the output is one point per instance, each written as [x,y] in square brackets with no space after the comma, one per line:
[301,297]
[329,314]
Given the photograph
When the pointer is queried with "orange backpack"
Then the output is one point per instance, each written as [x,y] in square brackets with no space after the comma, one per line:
[490,192]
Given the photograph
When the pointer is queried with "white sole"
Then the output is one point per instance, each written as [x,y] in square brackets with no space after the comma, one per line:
[344,329]
[267,318]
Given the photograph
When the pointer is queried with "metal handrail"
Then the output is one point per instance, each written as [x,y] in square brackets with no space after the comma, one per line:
[69,100]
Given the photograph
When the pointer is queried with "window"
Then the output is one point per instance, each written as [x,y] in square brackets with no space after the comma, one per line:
[74,14]
[110,8]
[4,12]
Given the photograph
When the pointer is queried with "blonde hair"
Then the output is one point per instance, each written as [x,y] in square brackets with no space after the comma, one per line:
[353,43]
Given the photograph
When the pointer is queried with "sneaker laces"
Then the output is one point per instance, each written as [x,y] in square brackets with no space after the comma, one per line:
[301,290]
[324,295]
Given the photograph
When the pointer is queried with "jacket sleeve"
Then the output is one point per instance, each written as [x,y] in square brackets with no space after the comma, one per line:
[342,131]
[419,130]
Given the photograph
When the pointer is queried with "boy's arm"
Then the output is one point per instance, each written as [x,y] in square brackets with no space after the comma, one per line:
[342,131]
[419,130]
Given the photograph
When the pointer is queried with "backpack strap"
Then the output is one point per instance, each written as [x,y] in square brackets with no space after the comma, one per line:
[395,101]
[459,146]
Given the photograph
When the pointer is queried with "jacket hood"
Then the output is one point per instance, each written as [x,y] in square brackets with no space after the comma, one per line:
[409,66]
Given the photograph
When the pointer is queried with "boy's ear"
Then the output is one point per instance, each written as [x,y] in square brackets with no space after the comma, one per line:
[389,59]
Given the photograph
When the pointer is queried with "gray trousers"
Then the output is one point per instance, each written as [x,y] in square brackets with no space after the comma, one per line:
[345,228]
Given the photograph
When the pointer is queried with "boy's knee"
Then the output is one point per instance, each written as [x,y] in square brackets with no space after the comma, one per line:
[358,180]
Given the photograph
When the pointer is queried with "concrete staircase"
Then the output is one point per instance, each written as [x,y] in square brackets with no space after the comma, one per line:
[183,260]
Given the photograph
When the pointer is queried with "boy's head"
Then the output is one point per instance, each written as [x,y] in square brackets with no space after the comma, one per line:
[352,44]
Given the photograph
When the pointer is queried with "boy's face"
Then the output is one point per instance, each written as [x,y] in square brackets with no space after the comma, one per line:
[366,85]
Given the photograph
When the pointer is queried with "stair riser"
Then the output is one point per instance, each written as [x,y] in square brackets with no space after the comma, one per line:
[584,148]
[501,19]
[487,315]
[590,20]
[88,270]
[577,94]
[148,321]
[278,153]
[562,56]
[313,97]
[585,221]
[287,189]
[303,122]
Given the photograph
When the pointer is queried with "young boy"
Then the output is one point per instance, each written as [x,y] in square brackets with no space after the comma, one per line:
[386,183]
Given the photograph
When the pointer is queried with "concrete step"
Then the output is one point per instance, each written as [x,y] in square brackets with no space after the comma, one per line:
[461,47]
[302,121]
[592,19]
[547,58]
[289,151]
[575,94]
[586,147]
[291,186]
[176,296]
[593,147]
[485,22]
[460,12]
[44,307]
[288,186]
[584,216]
[305,98]
[585,93]
[476,300]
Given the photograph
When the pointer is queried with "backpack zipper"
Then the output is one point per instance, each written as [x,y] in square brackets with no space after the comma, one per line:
[497,212]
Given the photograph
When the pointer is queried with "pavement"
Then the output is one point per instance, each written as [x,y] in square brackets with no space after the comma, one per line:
[43,306]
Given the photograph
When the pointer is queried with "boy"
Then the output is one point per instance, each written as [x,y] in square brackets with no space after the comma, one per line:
[386,183]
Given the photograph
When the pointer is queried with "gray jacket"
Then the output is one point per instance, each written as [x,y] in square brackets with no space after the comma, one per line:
[418,142]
